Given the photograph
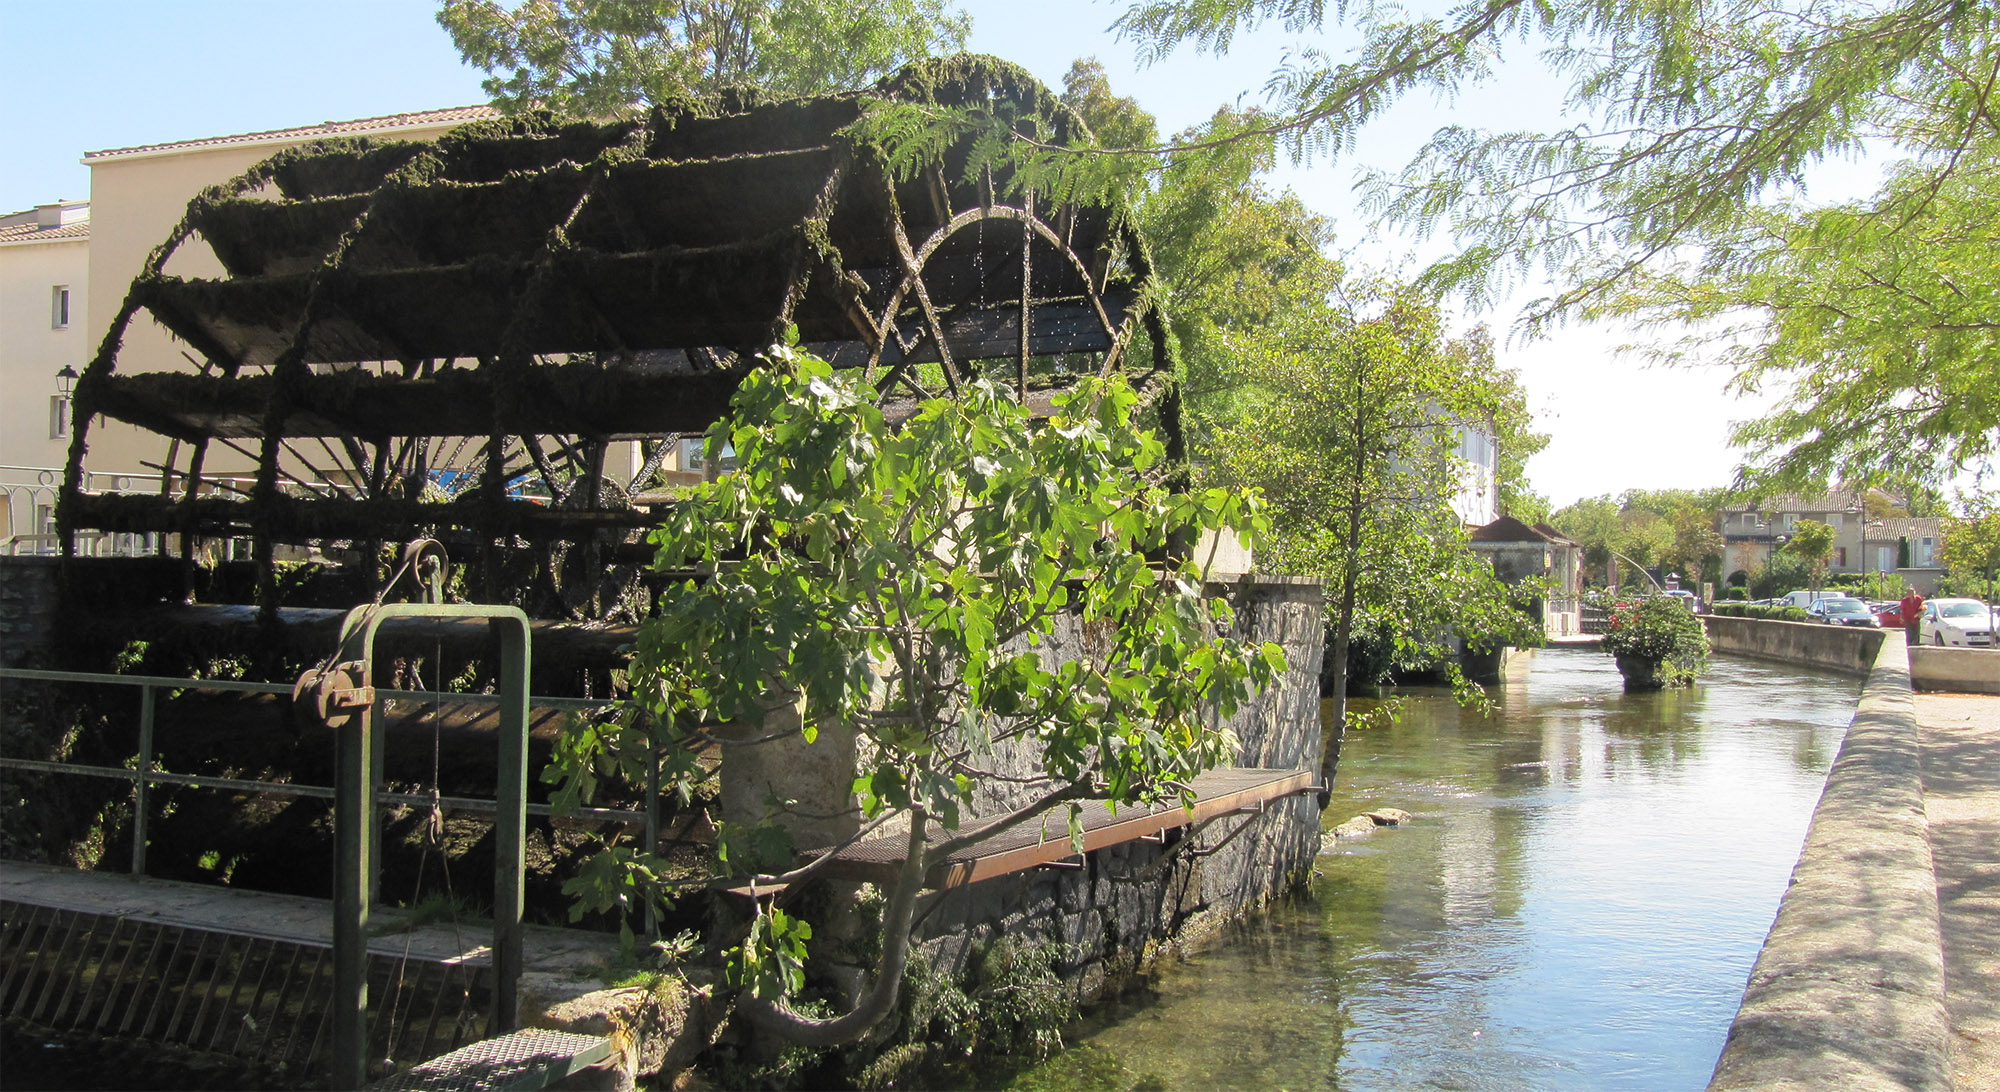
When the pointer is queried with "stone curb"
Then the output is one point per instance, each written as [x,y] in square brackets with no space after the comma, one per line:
[1848,991]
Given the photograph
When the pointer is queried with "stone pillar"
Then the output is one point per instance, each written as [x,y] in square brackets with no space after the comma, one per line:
[806,788]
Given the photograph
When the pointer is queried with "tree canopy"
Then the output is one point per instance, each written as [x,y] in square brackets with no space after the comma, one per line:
[1353,440]
[903,583]
[1971,548]
[599,57]
[1676,191]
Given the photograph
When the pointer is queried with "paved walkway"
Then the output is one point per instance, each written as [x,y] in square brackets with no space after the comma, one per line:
[1960,735]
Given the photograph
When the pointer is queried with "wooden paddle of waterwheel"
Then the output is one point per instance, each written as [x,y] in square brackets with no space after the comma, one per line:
[493,338]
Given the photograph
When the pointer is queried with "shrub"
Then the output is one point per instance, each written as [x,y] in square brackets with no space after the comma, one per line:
[1660,631]
[1769,612]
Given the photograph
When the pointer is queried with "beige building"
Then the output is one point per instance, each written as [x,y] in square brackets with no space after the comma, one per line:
[1519,551]
[1751,533]
[44,270]
[1909,547]
[139,194]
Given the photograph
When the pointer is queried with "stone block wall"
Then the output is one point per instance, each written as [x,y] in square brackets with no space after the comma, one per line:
[1957,670]
[27,611]
[1849,649]
[1111,916]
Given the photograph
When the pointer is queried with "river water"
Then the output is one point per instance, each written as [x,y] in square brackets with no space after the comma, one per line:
[1576,905]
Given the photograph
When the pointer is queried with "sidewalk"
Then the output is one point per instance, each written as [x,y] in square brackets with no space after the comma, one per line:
[1959,736]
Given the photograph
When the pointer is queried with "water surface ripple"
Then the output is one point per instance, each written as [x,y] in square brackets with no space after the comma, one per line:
[1575,906]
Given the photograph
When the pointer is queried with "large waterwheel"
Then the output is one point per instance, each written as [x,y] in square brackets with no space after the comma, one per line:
[448,338]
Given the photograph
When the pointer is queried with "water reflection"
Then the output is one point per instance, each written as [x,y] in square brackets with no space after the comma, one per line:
[1576,905]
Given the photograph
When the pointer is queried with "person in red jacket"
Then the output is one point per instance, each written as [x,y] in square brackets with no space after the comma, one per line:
[1911,606]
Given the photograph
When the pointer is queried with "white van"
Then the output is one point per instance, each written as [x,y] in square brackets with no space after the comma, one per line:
[1803,599]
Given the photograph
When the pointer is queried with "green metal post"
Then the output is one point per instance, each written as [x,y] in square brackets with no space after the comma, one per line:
[378,762]
[354,840]
[510,833]
[356,761]
[142,789]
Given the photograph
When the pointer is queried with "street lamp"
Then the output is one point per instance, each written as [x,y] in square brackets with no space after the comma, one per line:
[66,380]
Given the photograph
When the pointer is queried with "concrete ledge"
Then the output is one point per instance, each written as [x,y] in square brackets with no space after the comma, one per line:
[1849,649]
[1958,670]
[1848,991]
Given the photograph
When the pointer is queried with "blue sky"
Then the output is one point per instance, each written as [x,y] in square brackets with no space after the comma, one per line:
[197,68]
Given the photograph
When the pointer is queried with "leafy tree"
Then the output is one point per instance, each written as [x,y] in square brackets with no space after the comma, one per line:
[1676,194]
[1812,542]
[1116,121]
[1231,253]
[1971,547]
[1510,422]
[1784,571]
[1644,539]
[903,584]
[1593,522]
[1348,447]
[1697,546]
[598,57]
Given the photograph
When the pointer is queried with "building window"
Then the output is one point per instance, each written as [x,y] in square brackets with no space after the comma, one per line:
[1840,557]
[59,307]
[58,416]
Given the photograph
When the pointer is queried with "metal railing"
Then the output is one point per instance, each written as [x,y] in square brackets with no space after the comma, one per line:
[144,774]
[31,493]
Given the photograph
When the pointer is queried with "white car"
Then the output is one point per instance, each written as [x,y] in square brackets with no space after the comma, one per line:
[1966,622]
[1685,598]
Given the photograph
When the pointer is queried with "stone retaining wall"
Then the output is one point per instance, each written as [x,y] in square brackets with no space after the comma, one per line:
[27,610]
[1129,902]
[1849,649]
[1848,991]
[1958,670]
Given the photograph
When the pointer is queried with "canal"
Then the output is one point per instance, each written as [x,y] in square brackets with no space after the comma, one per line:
[1576,904]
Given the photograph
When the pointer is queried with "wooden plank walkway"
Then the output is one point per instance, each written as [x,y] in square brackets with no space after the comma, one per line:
[1034,844]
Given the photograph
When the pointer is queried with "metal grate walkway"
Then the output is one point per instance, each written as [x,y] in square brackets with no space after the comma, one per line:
[259,998]
[528,1059]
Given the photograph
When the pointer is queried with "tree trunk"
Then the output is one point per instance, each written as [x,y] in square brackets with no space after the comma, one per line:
[1336,731]
[1343,626]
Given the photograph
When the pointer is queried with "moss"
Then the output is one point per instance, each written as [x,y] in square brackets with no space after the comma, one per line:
[716,223]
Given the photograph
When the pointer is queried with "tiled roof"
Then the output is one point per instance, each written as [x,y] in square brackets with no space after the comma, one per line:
[1883,530]
[457,115]
[35,233]
[1839,500]
[1509,529]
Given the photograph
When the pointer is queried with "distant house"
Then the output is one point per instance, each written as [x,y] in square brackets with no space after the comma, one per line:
[1474,473]
[1909,547]
[1477,500]
[1752,533]
[1520,551]
[44,283]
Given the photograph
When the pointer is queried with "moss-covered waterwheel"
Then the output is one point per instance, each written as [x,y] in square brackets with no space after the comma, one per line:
[489,338]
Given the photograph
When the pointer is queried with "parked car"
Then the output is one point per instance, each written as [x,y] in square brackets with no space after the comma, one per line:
[1889,613]
[1686,599]
[1964,622]
[1843,611]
